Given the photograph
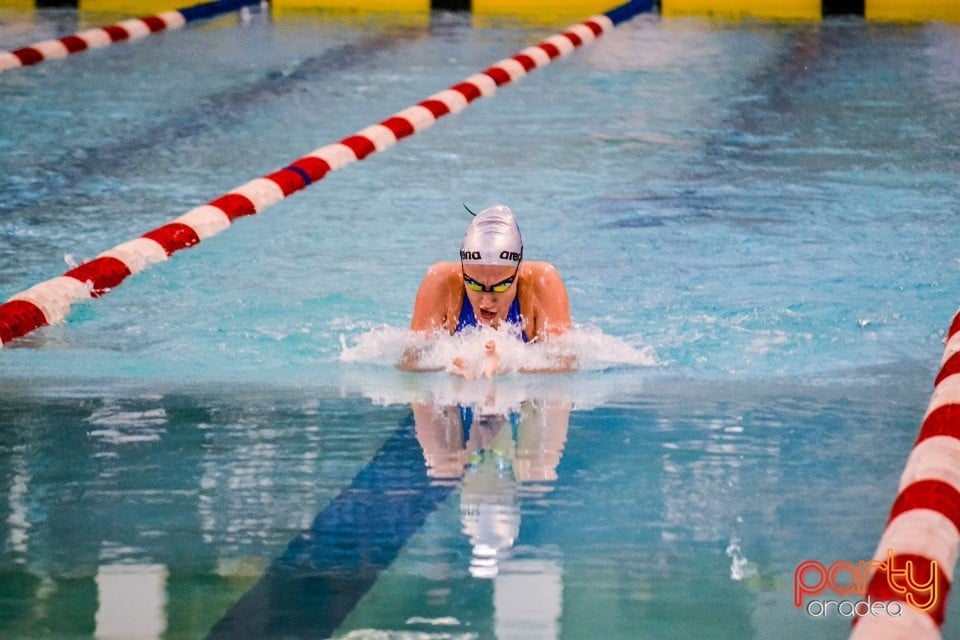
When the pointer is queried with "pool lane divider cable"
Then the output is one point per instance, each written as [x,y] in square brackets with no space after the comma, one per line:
[49,302]
[126,30]
[917,553]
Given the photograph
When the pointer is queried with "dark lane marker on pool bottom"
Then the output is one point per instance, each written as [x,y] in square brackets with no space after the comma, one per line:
[324,572]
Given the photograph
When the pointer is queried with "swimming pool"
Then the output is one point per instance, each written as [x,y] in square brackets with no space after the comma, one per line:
[753,223]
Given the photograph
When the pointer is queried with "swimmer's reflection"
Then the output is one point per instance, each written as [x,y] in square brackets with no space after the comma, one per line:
[492,451]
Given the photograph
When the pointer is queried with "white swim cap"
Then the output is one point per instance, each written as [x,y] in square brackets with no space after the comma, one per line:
[493,237]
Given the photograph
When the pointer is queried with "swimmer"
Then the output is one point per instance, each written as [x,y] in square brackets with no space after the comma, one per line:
[492,285]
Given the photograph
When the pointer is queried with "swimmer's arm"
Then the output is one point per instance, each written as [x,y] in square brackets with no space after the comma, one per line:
[430,310]
[410,360]
[567,363]
[552,317]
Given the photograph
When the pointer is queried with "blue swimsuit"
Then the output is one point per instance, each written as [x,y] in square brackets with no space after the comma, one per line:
[469,319]
[467,421]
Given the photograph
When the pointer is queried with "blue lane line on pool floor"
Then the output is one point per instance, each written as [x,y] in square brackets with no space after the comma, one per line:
[309,590]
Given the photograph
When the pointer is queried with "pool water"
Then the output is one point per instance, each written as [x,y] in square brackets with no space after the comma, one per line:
[753,221]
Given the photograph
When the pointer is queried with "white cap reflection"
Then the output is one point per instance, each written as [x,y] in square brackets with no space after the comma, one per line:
[493,447]
[488,495]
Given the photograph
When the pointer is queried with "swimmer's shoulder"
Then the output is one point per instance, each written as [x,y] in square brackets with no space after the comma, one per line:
[443,277]
[538,276]
[439,298]
[543,300]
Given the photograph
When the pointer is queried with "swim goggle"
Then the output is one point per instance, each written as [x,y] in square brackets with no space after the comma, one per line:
[500,287]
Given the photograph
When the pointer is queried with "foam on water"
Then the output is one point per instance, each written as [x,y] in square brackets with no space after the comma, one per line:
[605,366]
[592,349]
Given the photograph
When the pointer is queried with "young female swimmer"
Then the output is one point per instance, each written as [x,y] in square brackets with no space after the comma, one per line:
[491,284]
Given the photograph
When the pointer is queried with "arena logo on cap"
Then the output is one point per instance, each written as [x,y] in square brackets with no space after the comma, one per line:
[915,582]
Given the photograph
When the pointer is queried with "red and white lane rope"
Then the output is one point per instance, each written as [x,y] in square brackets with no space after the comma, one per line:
[124,31]
[49,302]
[922,535]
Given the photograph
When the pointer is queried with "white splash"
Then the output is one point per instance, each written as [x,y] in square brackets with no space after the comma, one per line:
[592,349]
[606,366]
[740,568]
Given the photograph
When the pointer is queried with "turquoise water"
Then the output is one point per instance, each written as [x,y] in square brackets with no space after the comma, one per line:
[753,222]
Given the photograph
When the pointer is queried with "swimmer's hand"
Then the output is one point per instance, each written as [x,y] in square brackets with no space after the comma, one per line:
[491,359]
[489,367]
[410,360]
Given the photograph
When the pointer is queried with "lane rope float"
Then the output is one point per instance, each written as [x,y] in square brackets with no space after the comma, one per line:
[49,302]
[124,31]
[921,540]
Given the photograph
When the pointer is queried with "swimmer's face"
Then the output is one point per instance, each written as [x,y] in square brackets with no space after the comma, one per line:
[490,306]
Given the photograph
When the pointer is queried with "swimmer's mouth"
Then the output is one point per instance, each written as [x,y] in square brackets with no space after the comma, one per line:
[487,316]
